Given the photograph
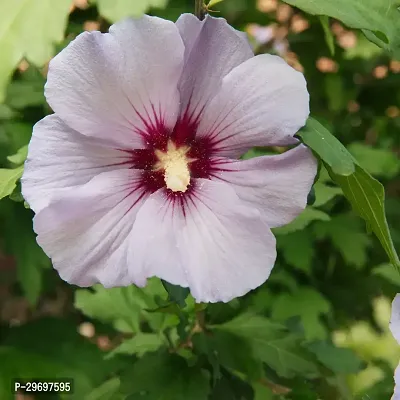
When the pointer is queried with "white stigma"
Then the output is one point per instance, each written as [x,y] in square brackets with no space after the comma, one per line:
[174,162]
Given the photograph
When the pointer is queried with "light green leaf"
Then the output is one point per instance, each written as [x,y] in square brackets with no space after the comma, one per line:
[379,20]
[348,236]
[297,249]
[9,179]
[115,10]
[106,391]
[388,272]
[376,161]
[212,3]
[364,49]
[306,303]
[139,344]
[327,147]
[309,215]
[330,41]
[325,193]
[20,156]
[337,359]
[20,36]
[123,307]
[367,197]
[271,344]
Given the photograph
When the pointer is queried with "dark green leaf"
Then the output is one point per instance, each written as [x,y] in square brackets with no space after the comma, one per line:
[176,293]
[159,376]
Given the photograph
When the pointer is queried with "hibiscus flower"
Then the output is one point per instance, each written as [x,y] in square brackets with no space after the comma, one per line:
[395,329]
[137,174]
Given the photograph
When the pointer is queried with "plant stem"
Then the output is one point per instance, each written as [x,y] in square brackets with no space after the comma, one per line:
[199,9]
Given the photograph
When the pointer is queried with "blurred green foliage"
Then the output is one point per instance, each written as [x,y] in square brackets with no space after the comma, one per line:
[318,328]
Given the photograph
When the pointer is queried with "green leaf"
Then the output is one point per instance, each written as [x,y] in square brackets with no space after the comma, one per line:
[348,236]
[330,41]
[139,344]
[28,91]
[378,19]
[367,197]
[297,249]
[365,194]
[306,303]
[309,215]
[338,360]
[162,376]
[123,307]
[387,272]
[324,193]
[106,391]
[271,344]
[20,242]
[48,348]
[19,157]
[327,147]
[376,161]
[9,179]
[20,36]
[115,10]
[176,293]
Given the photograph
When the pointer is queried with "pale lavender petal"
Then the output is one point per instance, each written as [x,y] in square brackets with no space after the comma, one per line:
[395,318]
[210,242]
[212,49]
[120,84]
[85,230]
[277,185]
[396,394]
[262,102]
[59,159]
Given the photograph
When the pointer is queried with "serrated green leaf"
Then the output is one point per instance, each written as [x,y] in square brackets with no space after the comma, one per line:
[306,303]
[348,236]
[272,344]
[115,10]
[379,20]
[376,161]
[338,360]
[176,293]
[20,36]
[9,179]
[123,307]
[297,249]
[139,344]
[327,147]
[367,197]
[309,215]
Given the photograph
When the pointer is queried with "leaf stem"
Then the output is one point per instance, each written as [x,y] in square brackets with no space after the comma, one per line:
[199,9]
